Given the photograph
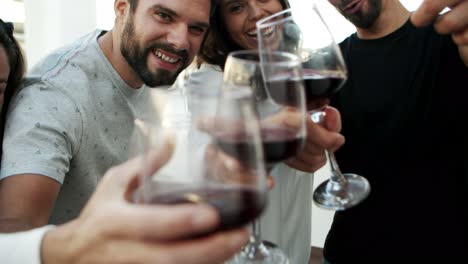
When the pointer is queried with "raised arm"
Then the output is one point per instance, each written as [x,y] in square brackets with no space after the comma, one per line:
[454,22]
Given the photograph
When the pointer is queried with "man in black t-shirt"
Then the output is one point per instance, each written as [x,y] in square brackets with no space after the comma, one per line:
[404,112]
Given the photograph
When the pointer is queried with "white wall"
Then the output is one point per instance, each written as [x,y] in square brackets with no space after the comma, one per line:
[49,24]
[11,11]
[105,14]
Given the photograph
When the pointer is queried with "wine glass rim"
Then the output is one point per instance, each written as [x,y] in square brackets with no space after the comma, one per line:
[292,58]
[262,23]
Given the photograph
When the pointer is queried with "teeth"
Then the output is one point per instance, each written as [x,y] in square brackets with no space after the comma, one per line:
[268,31]
[166,58]
[252,33]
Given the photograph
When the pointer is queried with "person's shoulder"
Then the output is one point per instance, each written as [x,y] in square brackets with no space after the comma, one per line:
[426,34]
[69,63]
[206,74]
[60,73]
[207,70]
[433,41]
[210,68]
[345,43]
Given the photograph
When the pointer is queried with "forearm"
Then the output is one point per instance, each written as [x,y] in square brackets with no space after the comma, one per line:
[26,201]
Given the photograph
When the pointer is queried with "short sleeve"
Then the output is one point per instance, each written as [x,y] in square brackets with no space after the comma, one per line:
[42,133]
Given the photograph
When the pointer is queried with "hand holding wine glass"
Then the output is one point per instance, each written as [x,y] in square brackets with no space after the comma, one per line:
[278,101]
[324,71]
[320,137]
[199,171]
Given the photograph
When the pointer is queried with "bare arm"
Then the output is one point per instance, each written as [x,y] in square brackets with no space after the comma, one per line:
[26,201]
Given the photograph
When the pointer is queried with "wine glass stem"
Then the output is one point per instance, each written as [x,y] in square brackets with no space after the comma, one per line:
[256,232]
[336,175]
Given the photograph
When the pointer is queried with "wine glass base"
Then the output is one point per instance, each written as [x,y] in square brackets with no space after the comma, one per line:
[260,253]
[334,196]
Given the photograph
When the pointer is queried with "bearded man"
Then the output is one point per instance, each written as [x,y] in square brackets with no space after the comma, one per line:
[73,118]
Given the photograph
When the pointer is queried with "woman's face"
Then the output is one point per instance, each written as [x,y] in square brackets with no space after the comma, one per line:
[4,73]
[240,17]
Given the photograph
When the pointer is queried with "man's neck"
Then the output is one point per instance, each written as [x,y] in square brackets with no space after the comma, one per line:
[393,16]
[111,49]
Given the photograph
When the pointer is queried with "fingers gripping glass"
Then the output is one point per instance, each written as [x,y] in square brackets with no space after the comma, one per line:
[280,106]
[196,166]
[305,34]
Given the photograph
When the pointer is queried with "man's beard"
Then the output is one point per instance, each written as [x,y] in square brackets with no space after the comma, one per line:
[361,19]
[137,58]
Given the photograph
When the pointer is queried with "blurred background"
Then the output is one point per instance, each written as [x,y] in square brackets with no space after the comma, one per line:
[44,25]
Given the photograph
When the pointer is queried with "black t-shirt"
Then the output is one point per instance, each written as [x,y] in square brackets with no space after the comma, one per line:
[405,116]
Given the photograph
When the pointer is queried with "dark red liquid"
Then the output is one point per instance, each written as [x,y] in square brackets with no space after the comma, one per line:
[236,205]
[319,87]
[285,91]
[279,144]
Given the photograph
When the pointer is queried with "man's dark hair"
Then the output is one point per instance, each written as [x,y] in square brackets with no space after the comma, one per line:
[217,43]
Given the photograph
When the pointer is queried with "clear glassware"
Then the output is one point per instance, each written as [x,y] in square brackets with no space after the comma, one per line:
[201,165]
[280,105]
[305,33]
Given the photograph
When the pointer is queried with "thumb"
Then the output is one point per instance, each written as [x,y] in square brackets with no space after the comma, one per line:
[428,11]
[333,119]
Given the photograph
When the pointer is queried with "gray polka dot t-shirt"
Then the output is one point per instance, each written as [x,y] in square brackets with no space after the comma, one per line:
[71,121]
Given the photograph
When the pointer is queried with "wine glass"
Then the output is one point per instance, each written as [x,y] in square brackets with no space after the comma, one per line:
[198,167]
[280,105]
[304,32]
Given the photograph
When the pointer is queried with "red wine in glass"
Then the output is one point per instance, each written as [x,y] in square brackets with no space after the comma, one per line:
[236,205]
[320,86]
[279,144]
[283,90]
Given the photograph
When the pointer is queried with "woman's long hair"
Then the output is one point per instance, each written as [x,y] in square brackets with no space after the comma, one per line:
[217,43]
[17,69]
